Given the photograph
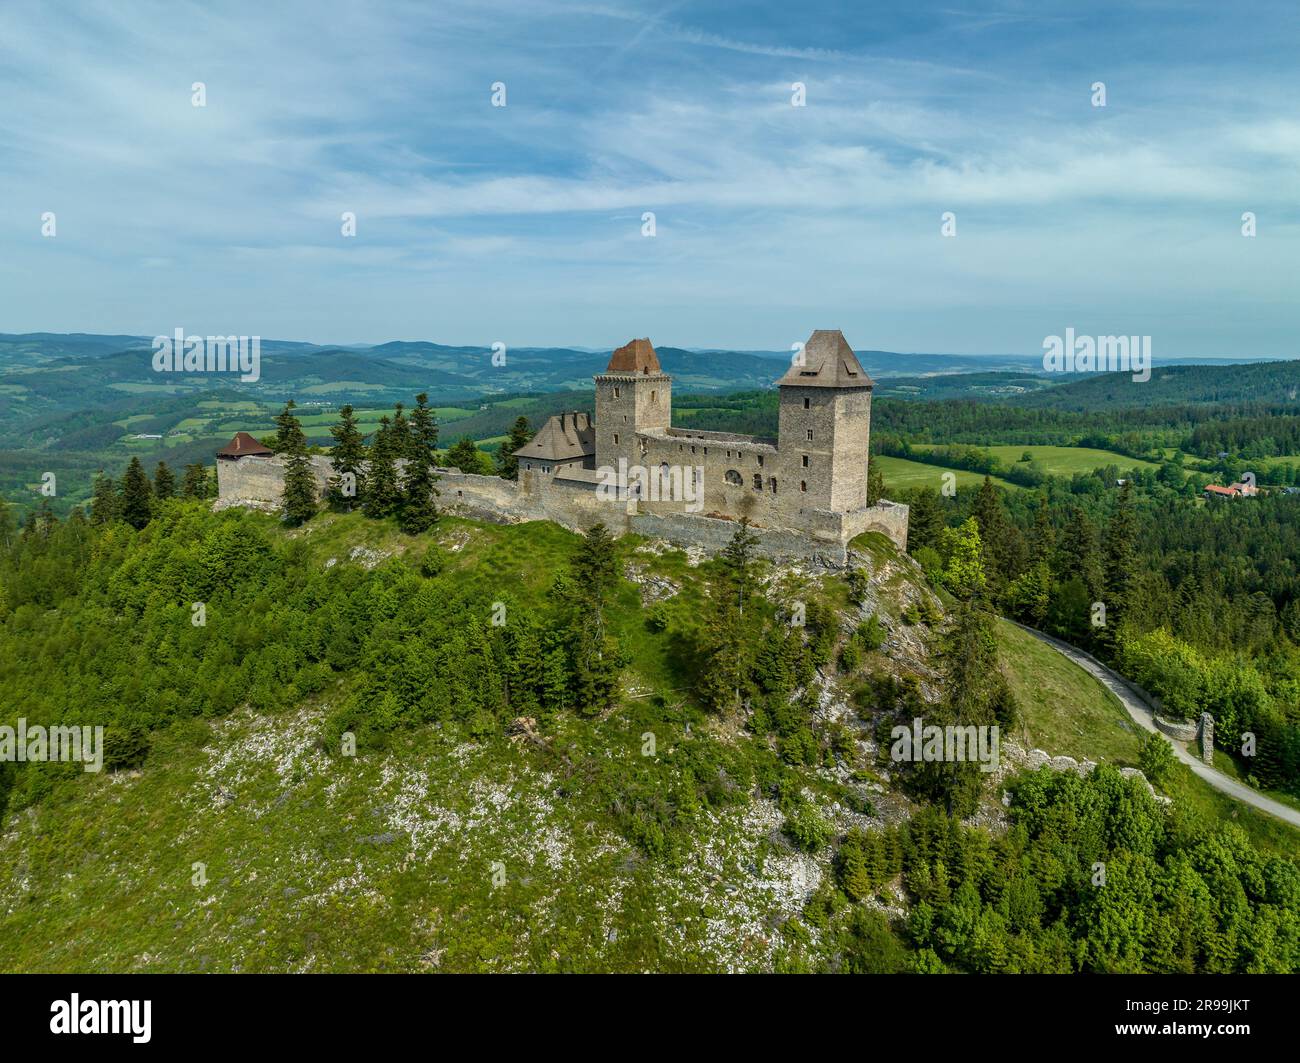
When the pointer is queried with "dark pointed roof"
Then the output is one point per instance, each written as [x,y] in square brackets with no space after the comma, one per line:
[243,445]
[638,356]
[564,436]
[828,362]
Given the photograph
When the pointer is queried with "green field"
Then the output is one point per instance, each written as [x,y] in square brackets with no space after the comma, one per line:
[900,473]
[1061,461]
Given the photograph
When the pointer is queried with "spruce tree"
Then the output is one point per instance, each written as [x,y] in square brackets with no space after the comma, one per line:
[465,456]
[419,510]
[105,504]
[507,463]
[875,483]
[1121,556]
[401,433]
[347,485]
[164,481]
[729,640]
[299,501]
[597,658]
[382,491]
[195,484]
[137,496]
[925,519]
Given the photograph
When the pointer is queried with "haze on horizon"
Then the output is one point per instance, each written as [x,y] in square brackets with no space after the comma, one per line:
[523,223]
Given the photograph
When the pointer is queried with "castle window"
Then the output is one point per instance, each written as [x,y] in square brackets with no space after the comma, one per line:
[760,461]
[652,397]
[805,461]
[810,435]
[615,439]
[692,450]
[772,484]
[758,481]
[734,478]
[528,465]
[807,403]
[803,485]
[617,392]
[625,418]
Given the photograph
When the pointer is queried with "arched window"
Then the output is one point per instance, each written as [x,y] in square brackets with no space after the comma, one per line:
[734,478]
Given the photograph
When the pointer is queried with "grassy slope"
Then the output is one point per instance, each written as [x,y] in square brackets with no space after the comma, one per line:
[1068,713]
[901,473]
[385,861]
[1063,461]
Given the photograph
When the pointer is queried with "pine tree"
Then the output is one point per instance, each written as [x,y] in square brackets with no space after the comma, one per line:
[924,519]
[401,433]
[419,510]
[507,463]
[299,501]
[288,432]
[729,635]
[347,485]
[195,484]
[7,535]
[105,503]
[597,658]
[164,481]
[875,483]
[137,496]
[382,491]
[465,456]
[1121,555]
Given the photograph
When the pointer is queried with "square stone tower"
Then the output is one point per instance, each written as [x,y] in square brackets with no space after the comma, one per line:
[825,426]
[633,393]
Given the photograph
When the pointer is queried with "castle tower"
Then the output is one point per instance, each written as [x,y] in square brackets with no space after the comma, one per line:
[633,393]
[825,425]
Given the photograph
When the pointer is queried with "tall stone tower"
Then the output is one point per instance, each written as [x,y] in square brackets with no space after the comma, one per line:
[632,393]
[825,426]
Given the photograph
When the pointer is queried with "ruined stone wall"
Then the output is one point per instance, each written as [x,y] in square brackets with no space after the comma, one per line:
[578,504]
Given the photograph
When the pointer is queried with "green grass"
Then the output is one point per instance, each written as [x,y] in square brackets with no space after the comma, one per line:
[1062,461]
[1067,712]
[900,473]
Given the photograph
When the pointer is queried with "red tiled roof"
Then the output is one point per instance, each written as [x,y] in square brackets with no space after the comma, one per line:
[243,445]
[637,356]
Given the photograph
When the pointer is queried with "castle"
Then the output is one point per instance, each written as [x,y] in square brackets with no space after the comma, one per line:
[804,492]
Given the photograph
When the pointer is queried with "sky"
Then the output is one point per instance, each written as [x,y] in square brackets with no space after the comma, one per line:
[524,223]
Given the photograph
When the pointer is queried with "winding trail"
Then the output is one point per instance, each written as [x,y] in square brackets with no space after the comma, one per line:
[1141,714]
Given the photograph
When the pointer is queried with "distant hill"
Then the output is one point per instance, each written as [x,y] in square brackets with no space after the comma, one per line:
[1274,383]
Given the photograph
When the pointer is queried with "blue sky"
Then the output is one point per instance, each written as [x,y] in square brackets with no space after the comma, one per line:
[523,223]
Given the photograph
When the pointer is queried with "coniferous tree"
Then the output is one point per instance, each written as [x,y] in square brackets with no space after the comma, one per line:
[164,481]
[728,645]
[419,510]
[347,485]
[105,503]
[401,433]
[195,484]
[875,483]
[137,496]
[924,519]
[383,494]
[1121,557]
[507,463]
[299,501]
[597,658]
[6,526]
[465,456]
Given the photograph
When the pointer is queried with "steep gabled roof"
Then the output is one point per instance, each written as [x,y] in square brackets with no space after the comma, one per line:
[242,446]
[828,362]
[637,356]
[564,436]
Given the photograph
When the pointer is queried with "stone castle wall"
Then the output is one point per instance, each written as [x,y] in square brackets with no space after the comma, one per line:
[577,505]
